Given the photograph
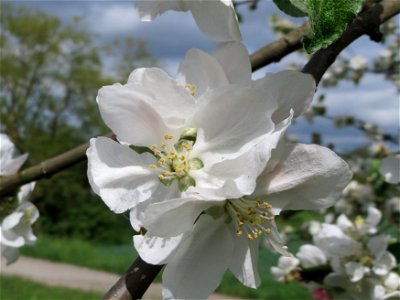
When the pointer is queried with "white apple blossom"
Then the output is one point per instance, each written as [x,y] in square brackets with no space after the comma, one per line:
[15,229]
[202,128]
[10,160]
[358,63]
[202,239]
[286,269]
[390,168]
[215,18]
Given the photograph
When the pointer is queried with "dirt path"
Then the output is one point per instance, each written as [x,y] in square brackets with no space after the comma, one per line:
[60,274]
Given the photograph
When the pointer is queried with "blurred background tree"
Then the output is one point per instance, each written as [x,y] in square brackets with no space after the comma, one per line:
[50,75]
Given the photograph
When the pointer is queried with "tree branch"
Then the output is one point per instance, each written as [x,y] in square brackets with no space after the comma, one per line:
[367,22]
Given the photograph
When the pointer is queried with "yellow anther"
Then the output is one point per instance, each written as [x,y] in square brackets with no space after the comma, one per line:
[161,161]
[157,152]
[259,232]
[161,177]
[153,166]
[159,164]
[267,205]
[241,223]
[182,158]
[249,237]
[168,137]
[163,145]
[268,231]
[255,235]
[153,147]
[187,146]
[167,173]
[239,232]
[257,203]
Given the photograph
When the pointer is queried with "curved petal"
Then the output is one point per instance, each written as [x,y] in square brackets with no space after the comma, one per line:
[200,261]
[355,271]
[157,250]
[149,106]
[216,19]
[25,191]
[308,177]
[378,244]
[384,263]
[173,217]
[12,220]
[150,9]
[234,59]
[9,165]
[292,90]
[11,254]
[311,256]
[120,176]
[231,120]
[244,264]
[202,70]
[227,179]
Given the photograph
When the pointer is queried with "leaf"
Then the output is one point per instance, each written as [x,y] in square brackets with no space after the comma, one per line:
[395,250]
[328,19]
[288,8]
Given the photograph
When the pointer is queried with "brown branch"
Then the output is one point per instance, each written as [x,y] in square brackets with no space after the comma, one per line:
[275,51]
[367,22]
[134,283]
[47,168]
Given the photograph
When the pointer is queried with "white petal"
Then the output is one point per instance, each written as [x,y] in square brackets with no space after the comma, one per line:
[25,191]
[150,9]
[378,244]
[157,250]
[288,263]
[392,281]
[172,217]
[11,254]
[374,216]
[244,263]
[216,19]
[384,263]
[390,168]
[355,271]
[234,59]
[334,242]
[344,223]
[311,256]
[292,90]
[9,164]
[308,177]
[200,262]
[149,106]
[232,118]
[12,220]
[120,176]
[202,70]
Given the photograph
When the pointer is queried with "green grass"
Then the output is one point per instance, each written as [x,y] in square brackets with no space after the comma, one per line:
[12,287]
[114,259]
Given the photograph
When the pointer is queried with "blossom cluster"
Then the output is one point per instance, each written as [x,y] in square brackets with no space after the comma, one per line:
[16,222]
[201,162]
[352,257]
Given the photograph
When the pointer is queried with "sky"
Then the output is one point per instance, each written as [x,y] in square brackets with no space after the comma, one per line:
[172,34]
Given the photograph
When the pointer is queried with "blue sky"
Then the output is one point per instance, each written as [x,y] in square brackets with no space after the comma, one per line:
[171,35]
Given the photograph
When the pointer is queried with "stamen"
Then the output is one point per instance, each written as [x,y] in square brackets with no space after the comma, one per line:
[250,216]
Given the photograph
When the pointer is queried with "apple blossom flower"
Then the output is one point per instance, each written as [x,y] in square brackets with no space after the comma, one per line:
[286,269]
[15,228]
[10,161]
[390,168]
[358,63]
[202,239]
[215,18]
[201,128]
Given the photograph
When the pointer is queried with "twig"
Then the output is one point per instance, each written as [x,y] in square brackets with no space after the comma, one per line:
[367,22]
[134,283]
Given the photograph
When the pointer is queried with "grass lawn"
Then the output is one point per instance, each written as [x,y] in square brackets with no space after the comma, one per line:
[12,287]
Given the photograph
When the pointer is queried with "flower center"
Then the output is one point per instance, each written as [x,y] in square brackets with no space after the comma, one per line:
[250,216]
[174,162]
[191,88]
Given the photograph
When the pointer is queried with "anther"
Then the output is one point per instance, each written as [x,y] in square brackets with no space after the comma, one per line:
[168,137]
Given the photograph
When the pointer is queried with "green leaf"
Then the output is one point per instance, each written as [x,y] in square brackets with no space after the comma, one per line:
[395,250]
[328,19]
[288,8]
